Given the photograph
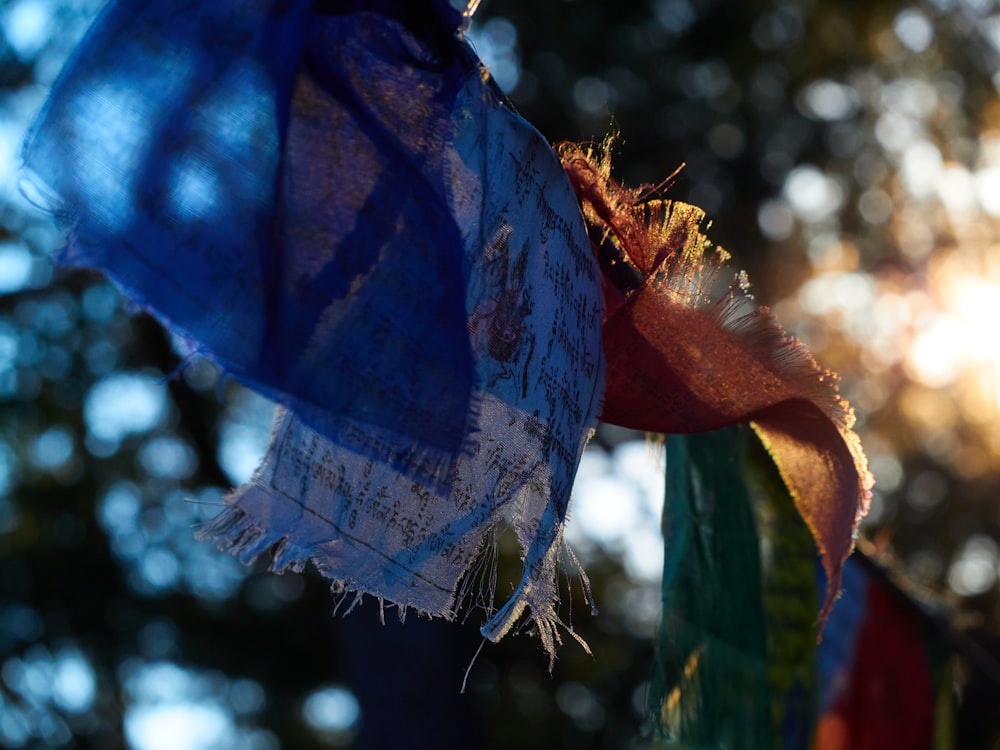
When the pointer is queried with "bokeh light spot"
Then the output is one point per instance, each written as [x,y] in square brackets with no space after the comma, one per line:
[974,569]
[914,30]
[331,709]
[124,403]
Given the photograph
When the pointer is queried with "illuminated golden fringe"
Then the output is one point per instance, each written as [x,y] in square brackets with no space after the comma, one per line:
[664,240]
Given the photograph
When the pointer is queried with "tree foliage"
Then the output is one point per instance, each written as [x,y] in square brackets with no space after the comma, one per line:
[803,127]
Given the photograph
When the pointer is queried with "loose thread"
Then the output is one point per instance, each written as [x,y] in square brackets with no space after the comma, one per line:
[468,669]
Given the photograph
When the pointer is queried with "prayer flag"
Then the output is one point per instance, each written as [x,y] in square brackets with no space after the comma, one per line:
[334,202]
[687,356]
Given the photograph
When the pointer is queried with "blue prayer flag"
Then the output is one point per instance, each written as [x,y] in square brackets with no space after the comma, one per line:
[333,202]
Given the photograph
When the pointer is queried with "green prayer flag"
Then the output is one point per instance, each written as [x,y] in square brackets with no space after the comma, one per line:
[710,686]
[791,601]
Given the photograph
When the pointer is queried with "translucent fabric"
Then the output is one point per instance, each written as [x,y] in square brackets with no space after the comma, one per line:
[334,203]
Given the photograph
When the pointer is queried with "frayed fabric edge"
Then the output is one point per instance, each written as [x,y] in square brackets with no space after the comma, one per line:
[536,598]
[239,533]
[538,593]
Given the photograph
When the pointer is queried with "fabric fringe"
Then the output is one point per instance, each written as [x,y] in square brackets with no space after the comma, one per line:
[239,533]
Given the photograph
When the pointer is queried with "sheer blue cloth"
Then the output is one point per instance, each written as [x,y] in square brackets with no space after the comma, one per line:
[266,177]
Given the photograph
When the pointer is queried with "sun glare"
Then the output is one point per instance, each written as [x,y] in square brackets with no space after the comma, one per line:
[916,338]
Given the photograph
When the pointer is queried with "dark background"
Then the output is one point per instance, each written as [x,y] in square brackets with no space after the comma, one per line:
[844,152]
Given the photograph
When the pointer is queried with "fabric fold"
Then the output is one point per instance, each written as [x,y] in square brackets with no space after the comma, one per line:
[269,182]
[686,354]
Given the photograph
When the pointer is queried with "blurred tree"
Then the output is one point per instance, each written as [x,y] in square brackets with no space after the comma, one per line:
[848,154]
